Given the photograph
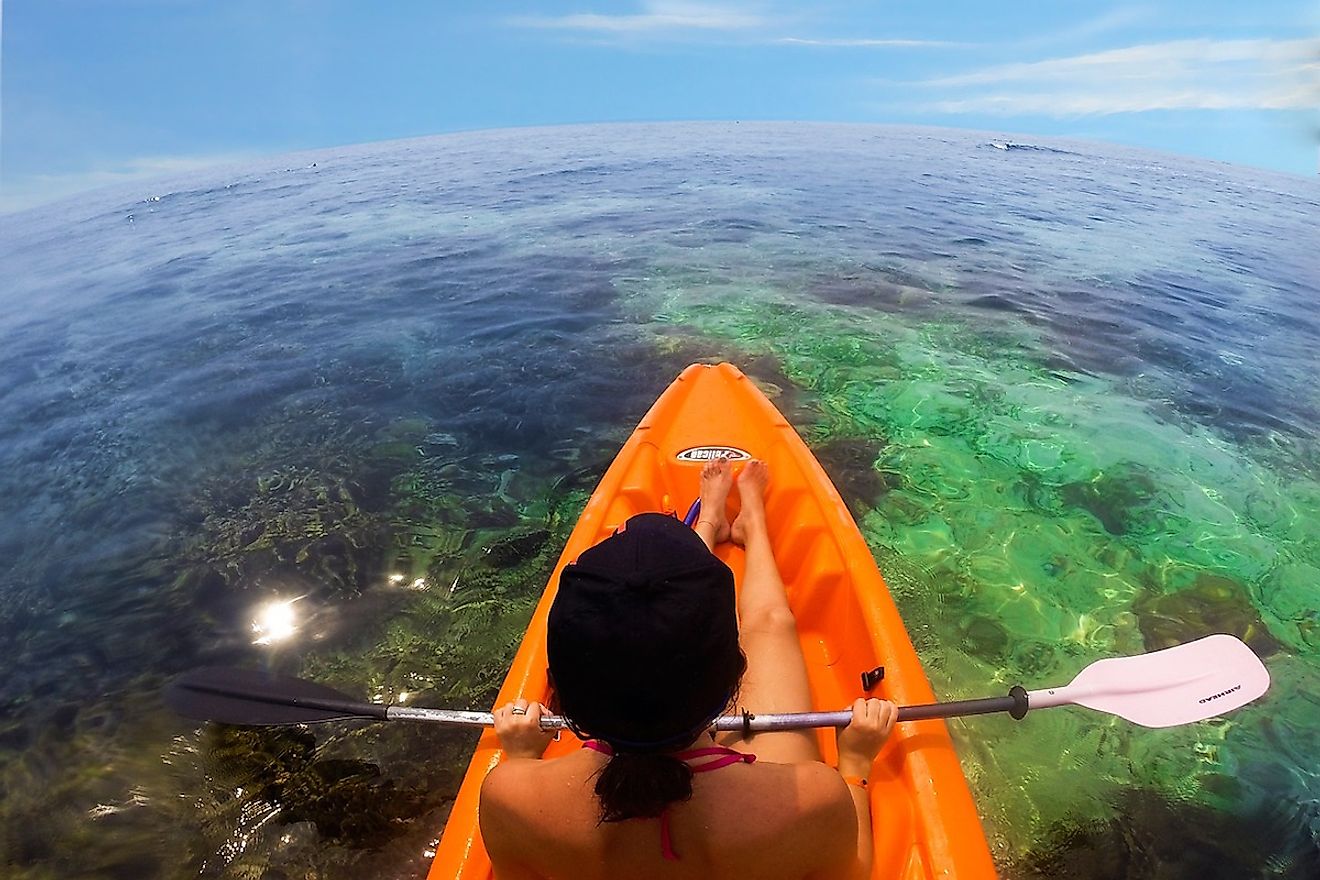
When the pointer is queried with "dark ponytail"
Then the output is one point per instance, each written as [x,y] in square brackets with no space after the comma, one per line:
[641,785]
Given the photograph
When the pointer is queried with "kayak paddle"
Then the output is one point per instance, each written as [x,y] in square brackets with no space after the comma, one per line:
[1177,685]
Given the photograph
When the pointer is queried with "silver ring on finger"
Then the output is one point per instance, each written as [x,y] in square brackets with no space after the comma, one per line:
[518,711]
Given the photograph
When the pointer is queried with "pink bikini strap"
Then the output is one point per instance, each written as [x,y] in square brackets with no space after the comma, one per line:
[666,843]
[726,758]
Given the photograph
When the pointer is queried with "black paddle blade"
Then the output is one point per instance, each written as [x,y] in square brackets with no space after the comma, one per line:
[252,697]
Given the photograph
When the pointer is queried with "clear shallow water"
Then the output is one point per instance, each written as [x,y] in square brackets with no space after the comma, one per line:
[1069,390]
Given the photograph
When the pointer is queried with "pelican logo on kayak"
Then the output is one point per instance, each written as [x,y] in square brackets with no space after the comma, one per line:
[1220,694]
[706,453]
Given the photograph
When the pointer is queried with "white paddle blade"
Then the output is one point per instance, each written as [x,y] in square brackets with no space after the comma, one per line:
[1177,685]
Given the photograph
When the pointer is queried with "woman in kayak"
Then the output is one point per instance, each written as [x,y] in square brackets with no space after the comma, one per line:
[645,650]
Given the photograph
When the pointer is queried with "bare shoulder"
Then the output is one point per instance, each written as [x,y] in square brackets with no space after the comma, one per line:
[792,820]
[821,786]
[809,798]
[828,814]
[502,778]
[503,792]
[506,817]
[503,823]
[513,796]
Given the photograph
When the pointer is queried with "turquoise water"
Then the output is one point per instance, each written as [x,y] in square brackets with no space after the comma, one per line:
[1067,389]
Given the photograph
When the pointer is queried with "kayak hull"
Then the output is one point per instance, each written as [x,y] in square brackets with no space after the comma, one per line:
[926,824]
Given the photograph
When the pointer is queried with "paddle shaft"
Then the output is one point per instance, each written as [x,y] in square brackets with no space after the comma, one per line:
[1015,704]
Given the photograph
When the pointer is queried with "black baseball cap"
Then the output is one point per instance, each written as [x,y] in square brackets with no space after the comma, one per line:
[643,637]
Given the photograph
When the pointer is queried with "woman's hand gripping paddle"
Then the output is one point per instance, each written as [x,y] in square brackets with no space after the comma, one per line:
[1174,686]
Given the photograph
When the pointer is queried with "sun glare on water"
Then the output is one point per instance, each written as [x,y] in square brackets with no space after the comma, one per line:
[275,622]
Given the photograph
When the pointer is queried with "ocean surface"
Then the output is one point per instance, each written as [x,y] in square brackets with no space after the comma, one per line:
[333,414]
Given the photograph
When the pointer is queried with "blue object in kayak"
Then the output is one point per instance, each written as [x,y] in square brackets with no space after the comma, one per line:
[693,512]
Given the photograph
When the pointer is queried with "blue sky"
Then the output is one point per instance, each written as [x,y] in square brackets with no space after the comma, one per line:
[102,91]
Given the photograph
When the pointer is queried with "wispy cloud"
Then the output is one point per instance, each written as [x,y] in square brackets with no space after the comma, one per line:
[1181,74]
[868,43]
[1107,22]
[27,191]
[656,16]
[676,19]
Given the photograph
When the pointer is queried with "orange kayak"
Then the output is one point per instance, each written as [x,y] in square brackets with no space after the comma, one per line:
[926,824]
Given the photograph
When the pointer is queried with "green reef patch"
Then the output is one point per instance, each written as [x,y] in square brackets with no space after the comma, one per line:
[854,460]
[292,523]
[1149,834]
[1210,604]
[1116,497]
[883,289]
[346,799]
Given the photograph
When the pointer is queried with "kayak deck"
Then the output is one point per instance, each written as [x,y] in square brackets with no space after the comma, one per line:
[925,823]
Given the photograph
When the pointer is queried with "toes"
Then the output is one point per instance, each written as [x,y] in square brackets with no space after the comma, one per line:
[716,476]
[755,473]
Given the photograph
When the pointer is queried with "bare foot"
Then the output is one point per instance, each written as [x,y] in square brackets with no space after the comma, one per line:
[752,483]
[716,481]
